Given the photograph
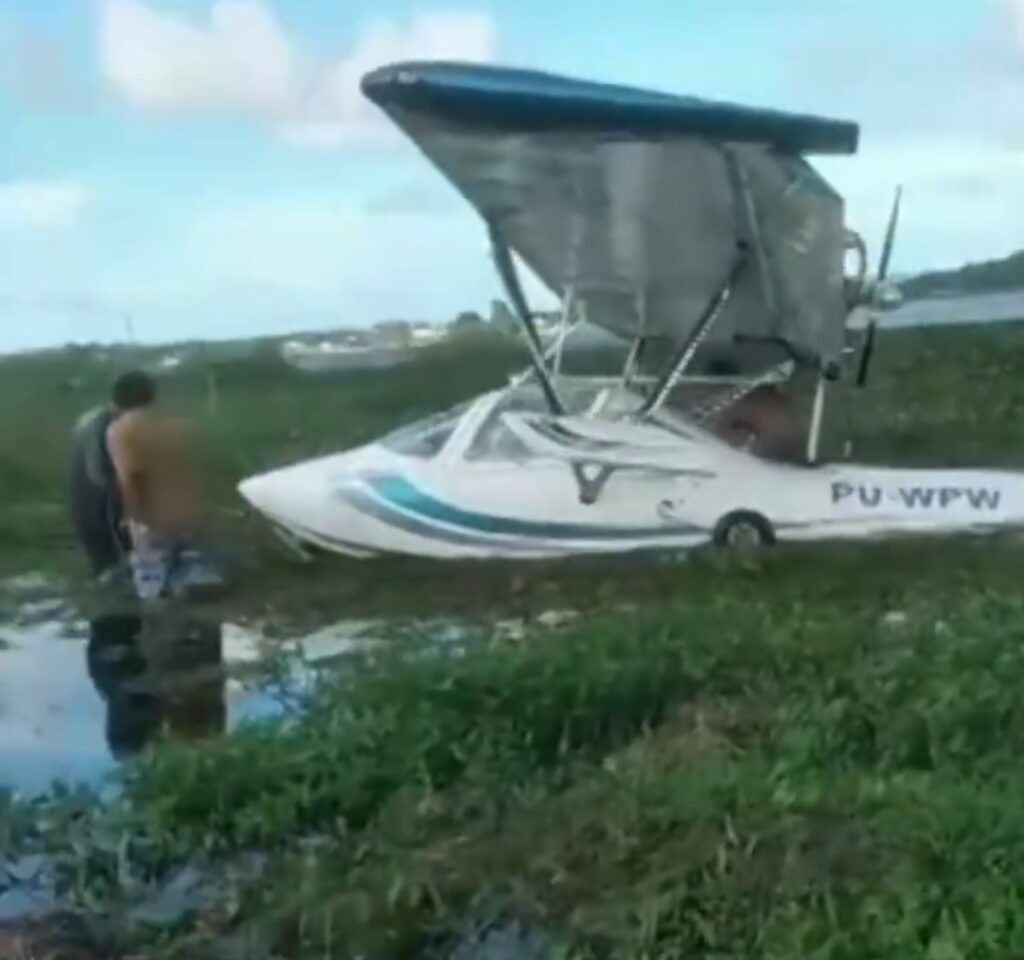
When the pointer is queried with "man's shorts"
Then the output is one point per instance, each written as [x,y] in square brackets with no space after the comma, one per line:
[164,568]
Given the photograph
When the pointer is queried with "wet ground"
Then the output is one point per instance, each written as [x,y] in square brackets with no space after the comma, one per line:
[78,697]
[82,693]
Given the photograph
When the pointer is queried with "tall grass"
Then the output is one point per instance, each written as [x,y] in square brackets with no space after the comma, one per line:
[814,754]
[942,396]
[952,395]
[760,772]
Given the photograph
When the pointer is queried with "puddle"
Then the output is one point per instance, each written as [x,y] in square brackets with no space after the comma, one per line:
[78,698]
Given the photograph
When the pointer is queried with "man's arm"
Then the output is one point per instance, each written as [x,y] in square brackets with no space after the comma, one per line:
[737,424]
[124,444]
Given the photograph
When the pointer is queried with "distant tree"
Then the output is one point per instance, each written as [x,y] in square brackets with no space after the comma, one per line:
[988,276]
[468,320]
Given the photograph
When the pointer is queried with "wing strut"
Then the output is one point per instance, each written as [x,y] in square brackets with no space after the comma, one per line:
[507,271]
[589,488]
[689,347]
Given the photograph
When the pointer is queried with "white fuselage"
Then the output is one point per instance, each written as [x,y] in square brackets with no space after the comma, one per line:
[480,484]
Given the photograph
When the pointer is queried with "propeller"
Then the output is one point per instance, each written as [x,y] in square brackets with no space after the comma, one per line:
[872,295]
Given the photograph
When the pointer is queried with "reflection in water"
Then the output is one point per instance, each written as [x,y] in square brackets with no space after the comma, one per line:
[72,718]
[159,674]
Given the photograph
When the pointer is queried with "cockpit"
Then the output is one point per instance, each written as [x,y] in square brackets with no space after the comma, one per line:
[476,430]
[427,437]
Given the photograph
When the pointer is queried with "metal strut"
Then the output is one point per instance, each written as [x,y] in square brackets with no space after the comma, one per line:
[588,488]
[689,347]
[817,416]
[591,489]
[748,213]
[565,327]
[550,354]
[507,271]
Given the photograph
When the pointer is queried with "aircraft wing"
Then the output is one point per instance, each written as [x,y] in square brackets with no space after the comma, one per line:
[637,201]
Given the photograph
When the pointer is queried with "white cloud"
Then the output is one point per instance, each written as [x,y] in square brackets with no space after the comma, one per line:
[944,117]
[44,205]
[338,113]
[307,259]
[956,194]
[906,87]
[320,243]
[35,69]
[1017,16]
[242,61]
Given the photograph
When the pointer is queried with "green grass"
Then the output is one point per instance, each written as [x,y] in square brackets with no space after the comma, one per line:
[766,768]
[812,753]
[251,414]
[946,396]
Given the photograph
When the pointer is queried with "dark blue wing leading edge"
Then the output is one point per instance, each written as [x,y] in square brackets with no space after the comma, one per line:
[530,101]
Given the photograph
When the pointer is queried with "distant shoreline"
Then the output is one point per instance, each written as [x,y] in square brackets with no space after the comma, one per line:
[1005,275]
[1005,306]
[938,308]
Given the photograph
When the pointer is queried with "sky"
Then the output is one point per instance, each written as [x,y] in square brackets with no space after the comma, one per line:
[208,168]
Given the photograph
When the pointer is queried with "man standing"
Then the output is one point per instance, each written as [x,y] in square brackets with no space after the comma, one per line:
[158,489]
[97,513]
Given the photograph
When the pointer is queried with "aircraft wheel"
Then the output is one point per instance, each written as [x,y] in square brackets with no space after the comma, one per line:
[743,530]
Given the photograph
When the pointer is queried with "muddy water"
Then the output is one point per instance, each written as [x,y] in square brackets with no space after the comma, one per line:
[80,697]
[77,698]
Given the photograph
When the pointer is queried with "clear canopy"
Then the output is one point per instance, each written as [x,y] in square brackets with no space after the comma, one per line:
[493,440]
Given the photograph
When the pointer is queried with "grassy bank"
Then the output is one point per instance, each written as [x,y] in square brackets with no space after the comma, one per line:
[767,766]
[812,753]
[249,415]
[944,396]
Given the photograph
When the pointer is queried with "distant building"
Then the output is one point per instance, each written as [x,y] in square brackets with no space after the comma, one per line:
[394,333]
[424,334]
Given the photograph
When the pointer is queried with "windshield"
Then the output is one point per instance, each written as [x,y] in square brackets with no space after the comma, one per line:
[495,441]
[427,437]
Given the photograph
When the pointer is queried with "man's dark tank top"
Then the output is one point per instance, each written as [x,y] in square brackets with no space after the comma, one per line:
[96,512]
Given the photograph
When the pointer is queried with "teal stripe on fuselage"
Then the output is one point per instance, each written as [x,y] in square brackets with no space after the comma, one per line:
[399,492]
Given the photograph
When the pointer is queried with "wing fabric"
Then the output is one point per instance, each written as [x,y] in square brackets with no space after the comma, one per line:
[637,201]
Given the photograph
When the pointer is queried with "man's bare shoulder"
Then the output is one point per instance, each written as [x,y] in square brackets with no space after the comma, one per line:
[130,423]
[136,430]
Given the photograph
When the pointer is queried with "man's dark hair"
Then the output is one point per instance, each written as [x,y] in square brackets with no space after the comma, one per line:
[133,390]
